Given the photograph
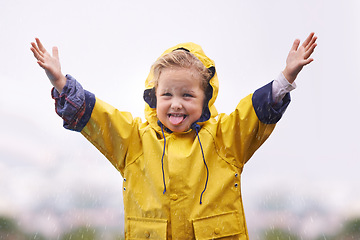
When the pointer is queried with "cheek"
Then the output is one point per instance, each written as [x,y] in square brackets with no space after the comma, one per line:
[201,108]
[196,108]
[160,107]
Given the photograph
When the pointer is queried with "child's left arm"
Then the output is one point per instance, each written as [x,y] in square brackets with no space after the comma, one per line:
[299,57]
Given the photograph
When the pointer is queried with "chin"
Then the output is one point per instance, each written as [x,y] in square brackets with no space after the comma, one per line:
[179,129]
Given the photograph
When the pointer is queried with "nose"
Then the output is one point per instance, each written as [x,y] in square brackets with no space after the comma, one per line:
[176,104]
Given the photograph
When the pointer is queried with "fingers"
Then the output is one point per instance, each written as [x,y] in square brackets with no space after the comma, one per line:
[311,43]
[41,47]
[40,52]
[308,39]
[37,54]
[295,45]
[307,61]
[35,47]
[308,46]
[309,51]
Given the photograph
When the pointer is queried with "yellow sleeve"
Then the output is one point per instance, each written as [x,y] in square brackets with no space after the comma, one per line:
[241,133]
[111,132]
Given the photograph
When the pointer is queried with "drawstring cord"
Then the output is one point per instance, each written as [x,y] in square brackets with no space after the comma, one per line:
[207,169]
[196,127]
[162,158]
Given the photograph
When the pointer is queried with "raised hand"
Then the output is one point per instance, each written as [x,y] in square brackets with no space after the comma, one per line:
[299,57]
[50,64]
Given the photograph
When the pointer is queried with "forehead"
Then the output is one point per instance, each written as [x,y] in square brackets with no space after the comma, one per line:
[186,77]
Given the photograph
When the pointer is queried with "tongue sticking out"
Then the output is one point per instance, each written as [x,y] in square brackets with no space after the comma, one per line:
[175,120]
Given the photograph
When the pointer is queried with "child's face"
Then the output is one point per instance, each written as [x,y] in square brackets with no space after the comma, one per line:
[179,97]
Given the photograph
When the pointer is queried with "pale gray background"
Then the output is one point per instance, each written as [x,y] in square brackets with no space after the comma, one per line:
[304,178]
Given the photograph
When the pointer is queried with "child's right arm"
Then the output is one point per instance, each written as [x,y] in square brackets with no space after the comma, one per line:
[72,103]
[110,130]
[50,64]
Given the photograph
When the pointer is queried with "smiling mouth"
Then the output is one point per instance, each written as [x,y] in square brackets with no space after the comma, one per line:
[176,118]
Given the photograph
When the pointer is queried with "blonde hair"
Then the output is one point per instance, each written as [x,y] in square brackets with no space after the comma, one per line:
[183,59]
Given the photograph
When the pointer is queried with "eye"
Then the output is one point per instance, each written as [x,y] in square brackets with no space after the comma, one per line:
[167,94]
[188,95]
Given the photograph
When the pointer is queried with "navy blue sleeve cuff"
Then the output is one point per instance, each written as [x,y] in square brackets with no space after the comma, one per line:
[266,110]
[89,106]
[74,104]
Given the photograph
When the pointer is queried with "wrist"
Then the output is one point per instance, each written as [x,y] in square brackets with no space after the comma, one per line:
[60,83]
[290,77]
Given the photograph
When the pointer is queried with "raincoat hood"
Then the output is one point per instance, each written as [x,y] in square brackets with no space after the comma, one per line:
[209,111]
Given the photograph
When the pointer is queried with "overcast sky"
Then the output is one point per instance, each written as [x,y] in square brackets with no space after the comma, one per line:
[109,47]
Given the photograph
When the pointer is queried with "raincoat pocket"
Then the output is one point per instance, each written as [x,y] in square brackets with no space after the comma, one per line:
[146,228]
[218,226]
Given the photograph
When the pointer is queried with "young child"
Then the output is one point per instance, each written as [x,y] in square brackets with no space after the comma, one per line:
[181,167]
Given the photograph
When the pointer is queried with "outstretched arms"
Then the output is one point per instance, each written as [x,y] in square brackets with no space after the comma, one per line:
[50,64]
[299,57]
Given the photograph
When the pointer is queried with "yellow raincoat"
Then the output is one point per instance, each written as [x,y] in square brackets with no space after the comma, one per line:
[186,165]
